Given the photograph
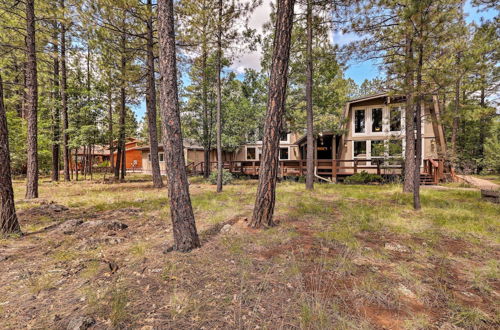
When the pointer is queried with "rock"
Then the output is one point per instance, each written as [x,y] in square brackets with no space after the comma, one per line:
[225,229]
[81,323]
[3,258]
[69,226]
[392,246]
[406,292]
[110,225]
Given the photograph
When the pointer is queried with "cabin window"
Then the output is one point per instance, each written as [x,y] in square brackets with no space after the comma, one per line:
[284,137]
[396,148]
[395,119]
[284,153]
[377,120]
[360,149]
[359,121]
[160,156]
[251,153]
[377,148]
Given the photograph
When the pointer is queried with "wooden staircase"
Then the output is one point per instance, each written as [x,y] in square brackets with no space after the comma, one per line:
[433,172]
[426,179]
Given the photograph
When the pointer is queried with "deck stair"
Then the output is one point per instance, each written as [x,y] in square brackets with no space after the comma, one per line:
[426,179]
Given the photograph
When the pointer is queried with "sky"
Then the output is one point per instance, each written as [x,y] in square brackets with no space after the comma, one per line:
[358,71]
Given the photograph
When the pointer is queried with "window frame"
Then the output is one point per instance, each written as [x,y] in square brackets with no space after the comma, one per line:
[288,148]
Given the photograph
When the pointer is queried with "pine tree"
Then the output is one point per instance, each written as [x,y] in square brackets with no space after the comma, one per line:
[185,234]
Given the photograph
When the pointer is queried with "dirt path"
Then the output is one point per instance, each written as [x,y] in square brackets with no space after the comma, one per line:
[480,183]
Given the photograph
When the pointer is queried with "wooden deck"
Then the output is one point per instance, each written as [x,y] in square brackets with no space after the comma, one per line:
[433,169]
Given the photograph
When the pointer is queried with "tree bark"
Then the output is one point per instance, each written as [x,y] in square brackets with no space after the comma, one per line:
[409,168]
[184,227]
[32,103]
[151,101]
[110,130]
[456,114]
[309,101]
[64,102]
[266,192]
[121,127]
[418,142]
[219,101]
[206,133]
[56,116]
[8,218]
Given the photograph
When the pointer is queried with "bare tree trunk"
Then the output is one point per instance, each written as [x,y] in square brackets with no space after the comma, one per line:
[32,103]
[219,101]
[206,133]
[266,192]
[124,162]
[418,142]
[456,115]
[185,234]
[409,168]
[8,218]
[110,131]
[309,101]
[151,102]
[56,116]
[76,164]
[121,136]
[64,100]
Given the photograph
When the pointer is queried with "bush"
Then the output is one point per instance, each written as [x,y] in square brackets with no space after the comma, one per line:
[363,177]
[227,177]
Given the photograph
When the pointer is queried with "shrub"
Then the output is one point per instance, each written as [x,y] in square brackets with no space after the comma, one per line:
[363,178]
[227,177]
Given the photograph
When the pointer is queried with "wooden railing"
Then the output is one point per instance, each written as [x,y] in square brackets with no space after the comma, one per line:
[434,168]
[324,167]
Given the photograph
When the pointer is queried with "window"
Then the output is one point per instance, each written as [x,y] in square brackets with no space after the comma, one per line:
[160,156]
[378,148]
[395,119]
[396,148]
[377,120]
[359,121]
[251,153]
[284,153]
[284,137]
[149,157]
[360,149]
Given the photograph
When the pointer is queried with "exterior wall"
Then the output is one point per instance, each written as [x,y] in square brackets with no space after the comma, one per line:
[131,156]
[242,154]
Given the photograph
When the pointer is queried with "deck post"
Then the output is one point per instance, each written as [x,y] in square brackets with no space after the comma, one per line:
[334,169]
[230,166]
[254,171]
[300,167]
[355,166]
[282,169]
[378,167]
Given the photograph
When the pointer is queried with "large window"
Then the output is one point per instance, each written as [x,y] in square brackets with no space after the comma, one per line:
[395,119]
[377,148]
[160,156]
[359,121]
[251,153]
[360,149]
[284,153]
[283,137]
[377,120]
[396,148]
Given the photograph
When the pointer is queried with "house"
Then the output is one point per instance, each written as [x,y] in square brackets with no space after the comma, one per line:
[97,154]
[372,140]
[133,154]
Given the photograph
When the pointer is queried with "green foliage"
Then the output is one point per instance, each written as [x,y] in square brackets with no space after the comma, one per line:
[492,149]
[363,177]
[227,177]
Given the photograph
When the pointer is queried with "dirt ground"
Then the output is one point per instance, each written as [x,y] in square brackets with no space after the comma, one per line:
[93,256]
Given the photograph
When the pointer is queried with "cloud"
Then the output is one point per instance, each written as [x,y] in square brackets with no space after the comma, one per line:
[251,59]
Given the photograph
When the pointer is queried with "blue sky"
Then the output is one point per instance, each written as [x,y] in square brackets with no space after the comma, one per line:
[358,71]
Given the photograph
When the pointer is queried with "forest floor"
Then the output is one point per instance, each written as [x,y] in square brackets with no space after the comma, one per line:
[341,257]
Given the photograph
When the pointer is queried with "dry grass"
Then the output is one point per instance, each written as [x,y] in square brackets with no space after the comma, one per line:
[326,266]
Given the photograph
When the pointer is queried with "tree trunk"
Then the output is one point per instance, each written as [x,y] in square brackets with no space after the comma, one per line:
[121,136]
[409,168]
[266,194]
[219,101]
[8,218]
[110,131]
[206,133]
[64,101]
[309,101]
[184,227]
[456,115]
[32,103]
[418,142]
[151,102]
[76,164]
[56,116]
